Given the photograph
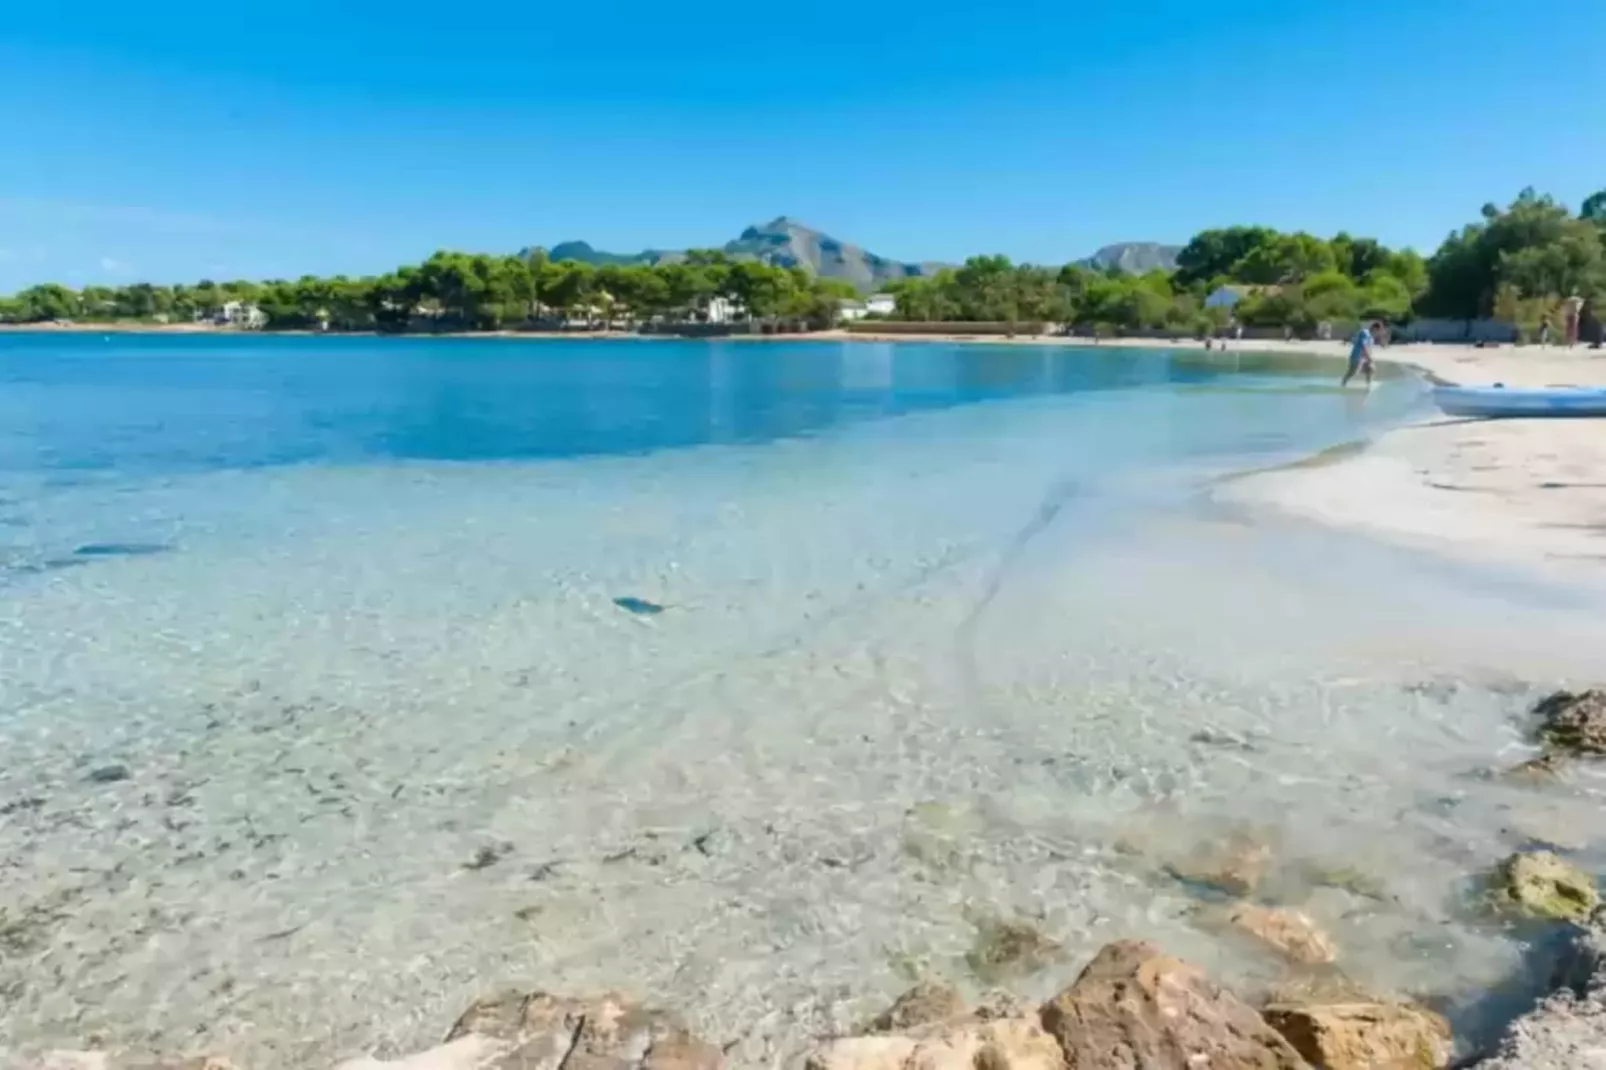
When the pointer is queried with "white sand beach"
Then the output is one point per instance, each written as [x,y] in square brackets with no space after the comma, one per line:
[1524,493]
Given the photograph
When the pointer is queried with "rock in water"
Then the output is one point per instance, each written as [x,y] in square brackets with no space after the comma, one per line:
[1004,1044]
[924,1004]
[1004,948]
[1365,1035]
[1235,867]
[1573,723]
[109,774]
[519,1031]
[1544,769]
[1289,931]
[1543,885]
[1136,1007]
[639,606]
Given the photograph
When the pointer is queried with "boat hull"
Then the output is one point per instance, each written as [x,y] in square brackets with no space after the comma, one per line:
[1494,402]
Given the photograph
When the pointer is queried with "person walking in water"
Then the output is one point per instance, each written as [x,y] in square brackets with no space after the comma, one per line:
[1360,354]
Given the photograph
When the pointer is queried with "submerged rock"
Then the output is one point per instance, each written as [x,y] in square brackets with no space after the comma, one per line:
[1370,1035]
[1289,931]
[1236,866]
[925,1003]
[1545,769]
[1574,723]
[1347,879]
[109,774]
[1134,1006]
[1004,948]
[1541,884]
[522,1031]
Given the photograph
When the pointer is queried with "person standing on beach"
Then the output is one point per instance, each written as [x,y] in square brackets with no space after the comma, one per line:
[1572,313]
[1360,355]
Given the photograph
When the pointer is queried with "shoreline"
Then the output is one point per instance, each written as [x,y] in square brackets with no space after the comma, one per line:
[1523,494]
[1520,494]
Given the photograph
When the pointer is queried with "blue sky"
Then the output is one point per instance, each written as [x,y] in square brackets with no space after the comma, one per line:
[188,140]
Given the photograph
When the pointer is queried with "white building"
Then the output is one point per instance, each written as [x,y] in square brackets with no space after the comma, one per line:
[852,310]
[881,305]
[240,314]
[724,310]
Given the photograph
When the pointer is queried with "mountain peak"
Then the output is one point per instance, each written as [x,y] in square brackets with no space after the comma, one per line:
[786,242]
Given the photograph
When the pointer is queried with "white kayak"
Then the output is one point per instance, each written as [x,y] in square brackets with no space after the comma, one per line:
[1497,401]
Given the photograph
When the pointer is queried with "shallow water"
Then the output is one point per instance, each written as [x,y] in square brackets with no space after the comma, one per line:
[747,678]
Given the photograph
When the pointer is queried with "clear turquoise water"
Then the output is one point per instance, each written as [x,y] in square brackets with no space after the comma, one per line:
[948,631]
[129,411]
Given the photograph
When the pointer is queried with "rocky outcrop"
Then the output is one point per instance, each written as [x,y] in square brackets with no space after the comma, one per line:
[1574,723]
[1567,1030]
[1289,931]
[1134,1006]
[1543,885]
[1365,1035]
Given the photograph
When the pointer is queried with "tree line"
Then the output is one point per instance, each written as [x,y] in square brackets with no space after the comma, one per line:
[1515,263]
[472,292]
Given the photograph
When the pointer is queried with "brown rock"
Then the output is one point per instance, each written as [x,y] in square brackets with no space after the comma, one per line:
[1289,931]
[1135,1008]
[1364,1036]
[1573,723]
[1003,1044]
[1322,985]
[1004,948]
[537,1031]
[926,1002]
[997,1003]
[862,1053]
[1235,867]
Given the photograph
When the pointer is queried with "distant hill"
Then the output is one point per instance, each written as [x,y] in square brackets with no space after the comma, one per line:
[782,242]
[787,243]
[1134,257]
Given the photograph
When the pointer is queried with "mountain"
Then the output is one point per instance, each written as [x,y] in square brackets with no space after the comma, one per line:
[782,242]
[787,243]
[1134,257]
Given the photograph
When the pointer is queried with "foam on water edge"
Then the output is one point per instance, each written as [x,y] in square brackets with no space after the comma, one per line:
[938,668]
